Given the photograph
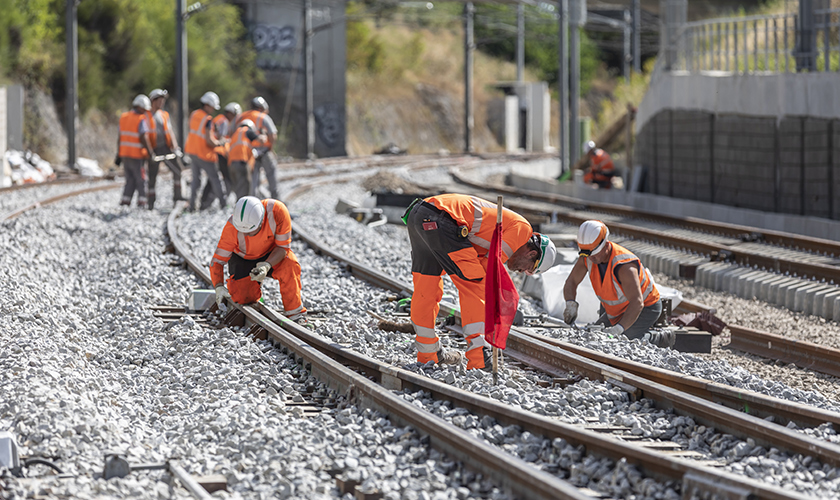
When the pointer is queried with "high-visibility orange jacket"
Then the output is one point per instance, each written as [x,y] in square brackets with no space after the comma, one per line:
[221,123]
[601,169]
[167,132]
[610,292]
[257,117]
[131,144]
[196,143]
[276,231]
[479,216]
[240,146]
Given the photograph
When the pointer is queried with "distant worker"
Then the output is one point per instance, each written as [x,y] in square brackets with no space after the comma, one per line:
[625,288]
[601,169]
[201,144]
[134,148]
[451,234]
[241,157]
[222,128]
[265,158]
[164,142]
[255,244]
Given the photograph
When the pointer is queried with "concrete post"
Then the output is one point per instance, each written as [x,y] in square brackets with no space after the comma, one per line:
[310,77]
[181,72]
[469,47]
[806,38]
[637,36]
[71,103]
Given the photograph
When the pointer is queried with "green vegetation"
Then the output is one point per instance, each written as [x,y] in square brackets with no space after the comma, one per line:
[126,47]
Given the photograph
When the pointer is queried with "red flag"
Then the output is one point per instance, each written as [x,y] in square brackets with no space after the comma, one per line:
[500,296]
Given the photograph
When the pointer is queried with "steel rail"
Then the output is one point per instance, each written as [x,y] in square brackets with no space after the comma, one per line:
[802,353]
[783,239]
[326,362]
[15,213]
[686,394]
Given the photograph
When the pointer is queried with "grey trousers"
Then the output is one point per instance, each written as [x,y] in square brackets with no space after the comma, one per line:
[268,162]
[154,169]
[135,180]
[212,173]
[240,178]
[646,319]
[207,196]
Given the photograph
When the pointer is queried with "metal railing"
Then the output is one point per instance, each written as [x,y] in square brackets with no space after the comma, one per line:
[778,43]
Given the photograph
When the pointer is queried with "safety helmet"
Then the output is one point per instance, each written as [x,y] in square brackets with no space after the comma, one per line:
[142,102]
[248,214]
[259,103]
[158,93]
[233,108]
[589,146]
[248,123]
[592,237]
[548,253]
[211,99]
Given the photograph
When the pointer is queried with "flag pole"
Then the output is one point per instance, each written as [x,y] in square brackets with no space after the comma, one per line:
[499,200]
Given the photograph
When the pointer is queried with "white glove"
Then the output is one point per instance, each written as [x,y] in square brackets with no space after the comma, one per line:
[221,294]
[570,313]
[260,272]
[614,330]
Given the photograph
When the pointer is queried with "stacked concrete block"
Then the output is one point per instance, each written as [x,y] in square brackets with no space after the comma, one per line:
[663,171]
[816,157]
[661,260]
[790,164]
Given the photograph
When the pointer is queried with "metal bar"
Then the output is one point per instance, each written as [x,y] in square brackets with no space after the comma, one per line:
[71,105]
[719,62]
[803,354]
[181,73]
[787,58]
[563,82]
[746,51]
[726,41]
[826,43]
[735,45]
[776,44]
[574,89]
[310,78]
[469,47]
[625,67]
[195,489]
[766,45]
[520,42]
[637,36]
[711,48]
[755,46]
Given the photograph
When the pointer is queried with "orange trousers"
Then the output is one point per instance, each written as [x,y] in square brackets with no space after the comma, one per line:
[243,290]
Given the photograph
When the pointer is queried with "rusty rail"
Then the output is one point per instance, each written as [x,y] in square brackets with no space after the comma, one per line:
[802,353]
[15,213]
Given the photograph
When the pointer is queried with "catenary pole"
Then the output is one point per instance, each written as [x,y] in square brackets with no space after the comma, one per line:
[469,47]
[71,106]
[181,73]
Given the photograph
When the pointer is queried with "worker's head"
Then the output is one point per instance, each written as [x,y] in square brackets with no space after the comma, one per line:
[593,241]
[232,110]
[158,97]
[248,215]
[259,104]
[210,99]
[535,256]
[248,123]
[589,148]
[141,103]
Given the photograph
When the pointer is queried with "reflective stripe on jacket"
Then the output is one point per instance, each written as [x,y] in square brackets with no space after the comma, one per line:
[196,143]
[167,132]
[257,117]
[609,290]
[479,216]
[240,146]
[131,144]
[276,231]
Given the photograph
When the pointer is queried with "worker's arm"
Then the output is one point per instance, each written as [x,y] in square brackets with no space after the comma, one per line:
[276,255]
[144,136]
[210,135]
[222,255]
[575,277]
[628,277]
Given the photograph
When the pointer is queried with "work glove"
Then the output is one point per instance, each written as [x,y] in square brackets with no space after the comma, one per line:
[117,160]
[571,311]
[221,294]
[179,153]
[260,272]
[614,330]
[186,160]
[255,152]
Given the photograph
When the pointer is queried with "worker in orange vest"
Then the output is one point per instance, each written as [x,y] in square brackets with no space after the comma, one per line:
[241,156]
[264,158]
[164,142]
[601,169]
[134,148]
[451,234]
[201,144]
[624,286]
[255,245]
[223,129]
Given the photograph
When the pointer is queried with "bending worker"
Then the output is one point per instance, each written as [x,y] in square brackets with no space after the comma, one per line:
[601,169]
[255,245]
[451,234]
[625,288]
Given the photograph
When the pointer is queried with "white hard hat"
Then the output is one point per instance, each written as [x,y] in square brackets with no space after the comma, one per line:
[211,99]
[589,146]
[233,108]
[248,123]
[259,103]
[248,214]
[592,237]
[158,93]
[547,254]
[142,102]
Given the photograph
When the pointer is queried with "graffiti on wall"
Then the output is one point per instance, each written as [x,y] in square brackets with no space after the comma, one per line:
[277,46]
[329,123]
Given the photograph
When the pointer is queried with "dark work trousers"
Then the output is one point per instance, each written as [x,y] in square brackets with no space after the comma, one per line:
[212,173]
[207,196]
[135,180]
[154,170]
[434,235]
[268,162]
[643,323]
[240,178]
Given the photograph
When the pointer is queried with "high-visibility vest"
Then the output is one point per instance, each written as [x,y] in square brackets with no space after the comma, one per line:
[240,146]
[167,132]
[276,231]
[196,144]
[217,123]
[131,144]
[610,291]
[257,117]
[479,217]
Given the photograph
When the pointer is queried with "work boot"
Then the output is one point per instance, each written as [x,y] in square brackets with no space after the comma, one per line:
[449,357]
[488,360]
[301,319]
